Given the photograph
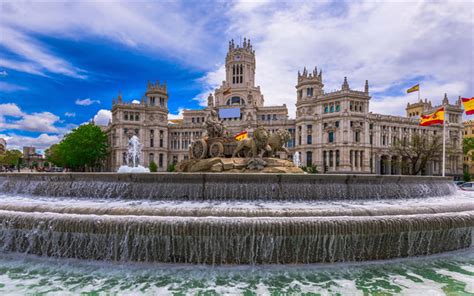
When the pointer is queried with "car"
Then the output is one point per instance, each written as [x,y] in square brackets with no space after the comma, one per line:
[468,186]
[459,183]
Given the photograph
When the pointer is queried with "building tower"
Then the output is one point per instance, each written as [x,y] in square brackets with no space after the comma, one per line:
[239,86]
[309,85]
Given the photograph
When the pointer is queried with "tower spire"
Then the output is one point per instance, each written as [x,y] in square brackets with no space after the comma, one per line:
[345,85]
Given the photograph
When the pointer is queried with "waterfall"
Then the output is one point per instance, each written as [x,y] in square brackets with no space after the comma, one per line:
[197,186]
[218,240]
[231,218]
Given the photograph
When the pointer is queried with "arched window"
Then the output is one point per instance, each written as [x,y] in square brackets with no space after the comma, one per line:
[235,101]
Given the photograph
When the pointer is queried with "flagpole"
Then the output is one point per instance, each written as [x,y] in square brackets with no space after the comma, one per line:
[444,140]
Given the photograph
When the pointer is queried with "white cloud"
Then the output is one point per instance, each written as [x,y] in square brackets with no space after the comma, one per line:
[3,73]
[39,59]
[10,109]
[103,117]
[86,102]
[137,25]
[176,116]
[13,118]
[70,114]
[10,87]
[390,44]
[42,141]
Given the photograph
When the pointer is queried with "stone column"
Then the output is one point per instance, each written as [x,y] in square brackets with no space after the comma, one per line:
[361,160]
[333,159]
[389,166]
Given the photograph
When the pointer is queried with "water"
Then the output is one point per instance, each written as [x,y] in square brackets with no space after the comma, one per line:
[134,154]
[296,159]
[447,274]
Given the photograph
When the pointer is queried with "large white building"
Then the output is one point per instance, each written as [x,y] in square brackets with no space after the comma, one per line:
[334,131]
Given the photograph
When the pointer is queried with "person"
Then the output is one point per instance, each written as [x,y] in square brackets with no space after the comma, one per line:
[214,126]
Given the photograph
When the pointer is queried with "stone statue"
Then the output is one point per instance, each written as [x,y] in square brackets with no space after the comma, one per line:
[214,127]
[277,140]
[255,146]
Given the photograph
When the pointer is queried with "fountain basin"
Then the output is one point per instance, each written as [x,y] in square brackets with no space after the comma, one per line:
[226,186]
[232,218]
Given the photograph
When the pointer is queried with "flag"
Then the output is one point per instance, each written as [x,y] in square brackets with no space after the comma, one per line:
[468,105]
[226,92]
[413,88]
[436,117]
[241,135]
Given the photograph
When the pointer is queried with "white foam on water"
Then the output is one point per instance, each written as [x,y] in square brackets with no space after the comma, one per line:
[137,169]
[463,278]
[412,288]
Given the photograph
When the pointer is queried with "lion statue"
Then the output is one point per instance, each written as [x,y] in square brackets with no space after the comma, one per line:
[255,146]
[277,140]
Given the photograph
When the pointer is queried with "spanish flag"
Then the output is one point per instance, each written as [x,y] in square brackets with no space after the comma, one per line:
[436,117]
[241,135]
[413,88]
[468,105]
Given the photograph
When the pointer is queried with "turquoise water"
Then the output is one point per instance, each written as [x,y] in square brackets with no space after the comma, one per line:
[447,274]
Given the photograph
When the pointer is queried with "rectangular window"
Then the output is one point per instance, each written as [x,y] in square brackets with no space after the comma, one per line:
[274,117]
[331,137]
[137,116]
[125,116]
[309,139]
[371,139]
[160,160]
[152,142]
[263,117]
[309,92]
[152,158]
[336,124]
[357,137]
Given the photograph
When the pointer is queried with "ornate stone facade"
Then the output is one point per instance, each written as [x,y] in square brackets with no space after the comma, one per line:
[469,158]
[334,131]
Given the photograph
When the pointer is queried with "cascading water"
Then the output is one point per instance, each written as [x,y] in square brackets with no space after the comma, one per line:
[133,158]
[232,218]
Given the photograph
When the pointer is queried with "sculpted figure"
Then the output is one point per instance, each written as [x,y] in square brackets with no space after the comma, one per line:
[277,140]
[255,146]
[214,126]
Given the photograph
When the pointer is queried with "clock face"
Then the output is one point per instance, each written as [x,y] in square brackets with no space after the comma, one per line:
[237,58]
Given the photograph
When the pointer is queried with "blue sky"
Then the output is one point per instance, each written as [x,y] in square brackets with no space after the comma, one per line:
[62,63]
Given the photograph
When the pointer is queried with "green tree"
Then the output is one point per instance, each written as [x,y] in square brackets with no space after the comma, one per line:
[11,158]
[153,167]
[171,167]
[467,145]
[54,156]
[466,176]
[84,148]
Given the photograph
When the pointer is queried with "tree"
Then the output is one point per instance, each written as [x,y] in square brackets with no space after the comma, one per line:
[54,156]
[419,150]
[171,167]
[153,167]
[11,158]
[467,145]
[85,148]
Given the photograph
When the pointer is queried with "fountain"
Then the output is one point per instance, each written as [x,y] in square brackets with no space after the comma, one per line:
[133,158]
[256,217]
[297,159]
